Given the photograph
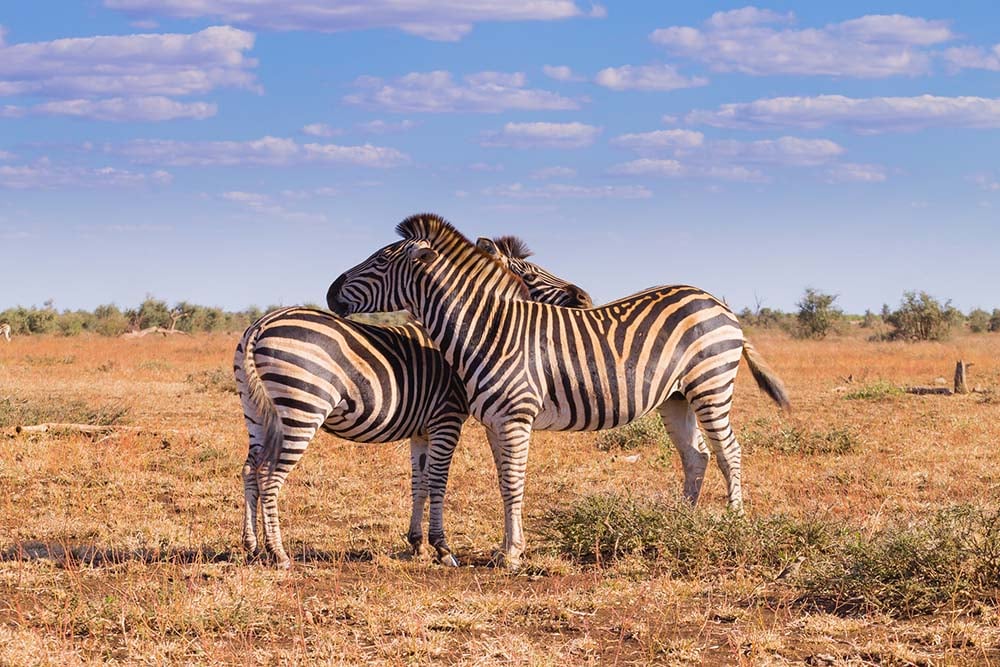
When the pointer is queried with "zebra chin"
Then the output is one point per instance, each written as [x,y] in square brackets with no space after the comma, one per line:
[333,301]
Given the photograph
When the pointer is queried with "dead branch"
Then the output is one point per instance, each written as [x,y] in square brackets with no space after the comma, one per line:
[87,428]
[923,391]
[160,330]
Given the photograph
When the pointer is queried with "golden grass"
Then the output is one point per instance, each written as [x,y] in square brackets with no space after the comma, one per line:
[125,548]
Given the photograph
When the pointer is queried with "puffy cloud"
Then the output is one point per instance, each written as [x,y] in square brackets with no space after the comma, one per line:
[862,115]
[445,20]
[660,140]
[116,109]
[563,191]
[321,130]
[560,73]
[747,41]
[387,127]
[129,65]
[44,175]
[267,151]
[646,77]
[438,92]
[674,169]
[543,135]
[546,173]
[971,57]
[850,172]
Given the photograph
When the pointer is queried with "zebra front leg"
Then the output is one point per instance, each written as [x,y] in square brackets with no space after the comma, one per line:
[444,438]
[418,491]
[510,452]
[682,426]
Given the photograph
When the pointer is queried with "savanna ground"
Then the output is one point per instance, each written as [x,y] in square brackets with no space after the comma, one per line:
[123,547]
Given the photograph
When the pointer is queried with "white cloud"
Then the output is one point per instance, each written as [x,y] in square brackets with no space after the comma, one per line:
[660,140]
[987,182]
[265,205]
[387,127]
[546,173]
[267,151]
[321,130]
[560,73]
[438,92]
[971,57]
[563,191]
[44,175]
[485,167]
[543,135]
[674,169]
[646,77]
[790,151]
[862,115]
[746,41]
[156,108]
[445,20]
[849,172]
[129,65]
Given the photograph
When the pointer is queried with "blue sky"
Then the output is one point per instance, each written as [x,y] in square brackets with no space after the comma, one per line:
[233,153]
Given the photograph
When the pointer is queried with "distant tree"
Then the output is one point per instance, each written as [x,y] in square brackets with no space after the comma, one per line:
[979,321]
[995,320]
[922,317]
[870,320]
[817,315]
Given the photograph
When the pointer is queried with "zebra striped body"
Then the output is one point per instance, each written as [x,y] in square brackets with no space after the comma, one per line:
[674,349]
[300,369]
[5,331]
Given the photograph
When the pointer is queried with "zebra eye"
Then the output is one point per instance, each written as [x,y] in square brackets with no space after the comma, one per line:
[529,277]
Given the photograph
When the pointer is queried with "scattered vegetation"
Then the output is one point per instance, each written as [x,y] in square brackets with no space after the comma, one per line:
[874,391]
[648,430]
[921,317]
[18,412]
[215,379]
[903,569]
[817,315]
[797,440]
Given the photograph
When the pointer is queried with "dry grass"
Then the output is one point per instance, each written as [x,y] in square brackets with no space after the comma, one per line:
[126,548]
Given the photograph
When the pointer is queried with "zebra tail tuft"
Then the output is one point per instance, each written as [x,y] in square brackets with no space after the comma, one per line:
[257,395]
[766,378]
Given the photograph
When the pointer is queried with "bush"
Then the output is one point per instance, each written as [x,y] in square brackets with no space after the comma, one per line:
[921,317]
[994,325]
[648,430]
[979,321]
[874,391]
[799,441]
[817,316]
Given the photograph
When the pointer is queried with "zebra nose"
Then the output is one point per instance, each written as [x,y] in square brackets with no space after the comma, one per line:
[333,296]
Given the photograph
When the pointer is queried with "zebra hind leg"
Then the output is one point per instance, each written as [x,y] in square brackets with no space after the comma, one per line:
[713,415]
[418,492]
[251,501]
[682,426]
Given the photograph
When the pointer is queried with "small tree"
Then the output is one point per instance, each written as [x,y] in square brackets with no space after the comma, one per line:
[995,320]
[922,317]
[817,316]
[979,321]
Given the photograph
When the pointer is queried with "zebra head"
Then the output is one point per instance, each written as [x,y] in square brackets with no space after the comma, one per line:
[402,274]
[542,286]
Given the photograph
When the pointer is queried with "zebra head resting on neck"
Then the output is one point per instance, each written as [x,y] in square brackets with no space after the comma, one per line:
[543,286]
[398,276]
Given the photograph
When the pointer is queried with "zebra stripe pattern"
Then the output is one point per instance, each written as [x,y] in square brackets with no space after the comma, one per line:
[5,331]
[300,369]
[673,349]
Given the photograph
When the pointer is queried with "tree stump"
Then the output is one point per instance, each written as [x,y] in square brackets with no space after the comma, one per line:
[960,386]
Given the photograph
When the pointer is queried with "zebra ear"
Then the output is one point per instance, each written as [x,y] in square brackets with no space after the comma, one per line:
[487,246]
[423,254]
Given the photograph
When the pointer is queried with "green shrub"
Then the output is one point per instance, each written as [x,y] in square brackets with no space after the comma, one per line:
[921,317]
[817,316]
[979,321]
[647,430]
[874,391]
[795,440]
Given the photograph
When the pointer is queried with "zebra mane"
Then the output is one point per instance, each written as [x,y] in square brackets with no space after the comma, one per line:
[431,226]
[512,246]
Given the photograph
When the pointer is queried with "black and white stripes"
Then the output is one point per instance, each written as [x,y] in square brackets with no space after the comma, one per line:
[301,369]
[528,366]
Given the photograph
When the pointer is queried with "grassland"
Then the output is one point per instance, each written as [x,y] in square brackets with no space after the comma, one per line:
[123,546]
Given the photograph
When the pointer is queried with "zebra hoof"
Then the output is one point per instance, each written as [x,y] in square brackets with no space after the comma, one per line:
[449,560]
[500,560]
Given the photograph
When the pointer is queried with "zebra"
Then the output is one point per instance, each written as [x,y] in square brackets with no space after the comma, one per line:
[299,369]
[5,331]
[674,349]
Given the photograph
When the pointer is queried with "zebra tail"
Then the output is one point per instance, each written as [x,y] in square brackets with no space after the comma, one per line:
[262,402]
[766,378]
